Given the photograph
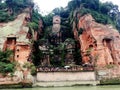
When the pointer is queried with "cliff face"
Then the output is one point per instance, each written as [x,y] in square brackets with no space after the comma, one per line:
[99,43]
[13,36]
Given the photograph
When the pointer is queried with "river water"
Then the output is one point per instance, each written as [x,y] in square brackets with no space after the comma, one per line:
[112,87]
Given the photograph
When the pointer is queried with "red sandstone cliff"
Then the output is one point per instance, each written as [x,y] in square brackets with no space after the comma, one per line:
[15,36]
[99,43]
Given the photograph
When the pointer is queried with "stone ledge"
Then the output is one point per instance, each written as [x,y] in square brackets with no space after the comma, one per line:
[66,83]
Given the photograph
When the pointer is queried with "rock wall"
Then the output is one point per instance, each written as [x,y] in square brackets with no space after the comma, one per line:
[100,44]
[108,73]
[13,35]
[22,52]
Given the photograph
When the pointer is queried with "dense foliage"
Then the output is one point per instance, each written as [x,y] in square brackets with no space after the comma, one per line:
[6,65]
[106,13]
[35,17]
[9,9]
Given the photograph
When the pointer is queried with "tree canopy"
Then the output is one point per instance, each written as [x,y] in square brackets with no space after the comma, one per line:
[9,9]
[106,13]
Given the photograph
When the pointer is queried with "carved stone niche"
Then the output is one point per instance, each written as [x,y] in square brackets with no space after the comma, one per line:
[10,42]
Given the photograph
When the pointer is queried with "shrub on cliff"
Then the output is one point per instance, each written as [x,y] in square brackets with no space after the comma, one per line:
[6,65]
[31,67]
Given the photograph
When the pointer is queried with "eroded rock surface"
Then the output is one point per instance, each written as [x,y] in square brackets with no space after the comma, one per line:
[13,36]
[99,43]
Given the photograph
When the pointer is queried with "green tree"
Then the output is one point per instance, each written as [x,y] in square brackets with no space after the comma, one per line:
[9,9]
[73,4]
[91,4]
[47,19]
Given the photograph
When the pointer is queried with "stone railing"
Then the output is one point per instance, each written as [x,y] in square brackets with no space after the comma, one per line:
[65,69]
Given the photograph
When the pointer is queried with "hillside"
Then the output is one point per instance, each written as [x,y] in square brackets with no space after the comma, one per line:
[84,35]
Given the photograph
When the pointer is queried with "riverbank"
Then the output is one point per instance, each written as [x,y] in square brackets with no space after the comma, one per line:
[53,79]
[108,87]
[10,84]
[59,79]
[66,83]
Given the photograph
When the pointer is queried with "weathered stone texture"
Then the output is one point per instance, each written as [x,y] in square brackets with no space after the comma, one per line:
[56,24]
[99,43]
[13,35]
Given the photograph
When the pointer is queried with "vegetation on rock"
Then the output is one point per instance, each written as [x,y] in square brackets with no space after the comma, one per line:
[110,81]
[31,67]
[6,65]
[9,9]
[105,13]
